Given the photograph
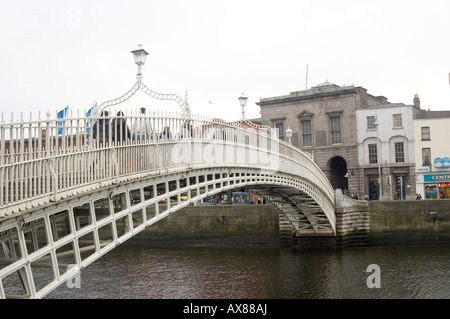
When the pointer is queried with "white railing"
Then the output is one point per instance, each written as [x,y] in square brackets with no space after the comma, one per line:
[44,159]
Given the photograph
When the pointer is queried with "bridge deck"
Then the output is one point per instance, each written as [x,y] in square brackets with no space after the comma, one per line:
[66,198]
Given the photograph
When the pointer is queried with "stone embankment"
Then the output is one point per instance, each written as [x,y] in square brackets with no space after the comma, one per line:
[358,224]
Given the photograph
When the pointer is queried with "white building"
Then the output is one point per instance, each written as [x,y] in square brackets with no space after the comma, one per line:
[385,135]
[432,152]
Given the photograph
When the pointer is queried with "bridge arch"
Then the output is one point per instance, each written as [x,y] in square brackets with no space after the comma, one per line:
[67,199]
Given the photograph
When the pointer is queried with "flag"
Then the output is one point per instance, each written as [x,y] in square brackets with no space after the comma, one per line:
[62,114]
[88,114]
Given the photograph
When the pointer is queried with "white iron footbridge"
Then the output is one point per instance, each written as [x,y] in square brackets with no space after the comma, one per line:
[67,198]
[73,188]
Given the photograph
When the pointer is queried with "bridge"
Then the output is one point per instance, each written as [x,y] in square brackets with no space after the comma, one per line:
[75,187]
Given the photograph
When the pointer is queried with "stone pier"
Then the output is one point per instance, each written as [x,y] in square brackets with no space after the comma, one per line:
[352,221]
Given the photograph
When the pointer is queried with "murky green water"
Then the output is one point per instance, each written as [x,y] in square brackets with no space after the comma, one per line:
[142,272]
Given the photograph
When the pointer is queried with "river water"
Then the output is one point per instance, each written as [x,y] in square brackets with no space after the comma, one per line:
[145,272]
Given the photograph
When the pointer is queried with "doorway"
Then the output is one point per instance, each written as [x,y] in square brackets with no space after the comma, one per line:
[374,188]
[338,173]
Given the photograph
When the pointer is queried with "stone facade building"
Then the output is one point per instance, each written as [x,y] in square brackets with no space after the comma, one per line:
[323,123]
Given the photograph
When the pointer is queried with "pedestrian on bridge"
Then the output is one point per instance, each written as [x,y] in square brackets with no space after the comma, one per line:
[101,128]
[165,135]
[142,129]
[120,130]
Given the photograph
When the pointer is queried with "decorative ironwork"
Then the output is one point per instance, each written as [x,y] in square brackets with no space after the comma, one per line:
[184,105]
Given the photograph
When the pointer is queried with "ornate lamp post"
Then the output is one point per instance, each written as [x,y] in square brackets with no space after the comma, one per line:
[140,55]
[243,101]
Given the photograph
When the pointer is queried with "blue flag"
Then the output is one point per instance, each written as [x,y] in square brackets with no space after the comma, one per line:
[62,114]
[88,114]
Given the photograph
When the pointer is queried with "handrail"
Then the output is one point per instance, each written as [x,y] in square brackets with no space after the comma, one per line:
[42,159]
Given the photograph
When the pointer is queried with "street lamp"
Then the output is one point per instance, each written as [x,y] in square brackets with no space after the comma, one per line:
[140,55]
[289,134]
[243,101]
[380,181]
[139,58]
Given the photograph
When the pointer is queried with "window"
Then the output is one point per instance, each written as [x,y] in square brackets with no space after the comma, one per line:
[370,122]
[373,154]
[279,127]
[306,133]
[399,152]
[426,156]
[397,120]
[335,123]
[425,130]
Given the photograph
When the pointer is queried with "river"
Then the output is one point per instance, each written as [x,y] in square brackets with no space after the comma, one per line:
[145,272]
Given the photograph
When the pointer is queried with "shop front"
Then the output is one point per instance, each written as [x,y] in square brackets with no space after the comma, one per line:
[436,186]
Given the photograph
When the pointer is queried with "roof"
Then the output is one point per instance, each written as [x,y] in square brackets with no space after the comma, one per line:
[432,114]
[383,106]
[323,89]
[326,83]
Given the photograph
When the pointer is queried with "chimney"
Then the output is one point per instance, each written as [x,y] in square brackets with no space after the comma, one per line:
[416,101]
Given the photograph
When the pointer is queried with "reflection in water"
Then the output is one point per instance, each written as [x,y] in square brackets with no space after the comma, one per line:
[138,272]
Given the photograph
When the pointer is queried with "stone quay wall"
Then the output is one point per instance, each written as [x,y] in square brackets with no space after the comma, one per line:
[358,224]
[409,222]
[221,225]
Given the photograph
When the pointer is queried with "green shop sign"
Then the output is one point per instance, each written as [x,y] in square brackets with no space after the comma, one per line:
[436,178]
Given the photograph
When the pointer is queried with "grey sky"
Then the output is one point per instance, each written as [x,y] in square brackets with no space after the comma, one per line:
[56,53]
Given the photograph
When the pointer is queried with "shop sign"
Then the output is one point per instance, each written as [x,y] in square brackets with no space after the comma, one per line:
[436,178]
[441,162]
[446,162]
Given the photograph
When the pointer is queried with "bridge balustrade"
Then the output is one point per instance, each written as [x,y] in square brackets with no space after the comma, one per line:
[48,159]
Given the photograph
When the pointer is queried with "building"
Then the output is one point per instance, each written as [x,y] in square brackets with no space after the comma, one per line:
[432,152]
[386,160]
[323,123]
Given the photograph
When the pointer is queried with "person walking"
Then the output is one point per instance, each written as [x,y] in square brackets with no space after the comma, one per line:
[120,130]
[101,128]
[142,129]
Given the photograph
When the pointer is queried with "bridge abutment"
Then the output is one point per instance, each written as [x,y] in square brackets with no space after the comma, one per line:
[287,232]
[352,228]
[352,221]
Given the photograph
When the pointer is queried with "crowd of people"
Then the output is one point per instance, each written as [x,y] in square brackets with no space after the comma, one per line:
[141,129]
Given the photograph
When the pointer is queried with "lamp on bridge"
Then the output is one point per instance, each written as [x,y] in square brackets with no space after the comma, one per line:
[243,101]
[139,58]
[289,134]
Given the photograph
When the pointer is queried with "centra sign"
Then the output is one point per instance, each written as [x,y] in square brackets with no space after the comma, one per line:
[436,178]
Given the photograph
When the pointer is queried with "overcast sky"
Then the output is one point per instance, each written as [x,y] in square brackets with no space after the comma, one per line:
[56,53]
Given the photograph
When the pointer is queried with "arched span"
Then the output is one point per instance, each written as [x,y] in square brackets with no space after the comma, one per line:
[79,230]
[68,199]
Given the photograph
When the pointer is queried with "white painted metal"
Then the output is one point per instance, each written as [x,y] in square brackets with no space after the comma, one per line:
[140,56]
[68,198]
